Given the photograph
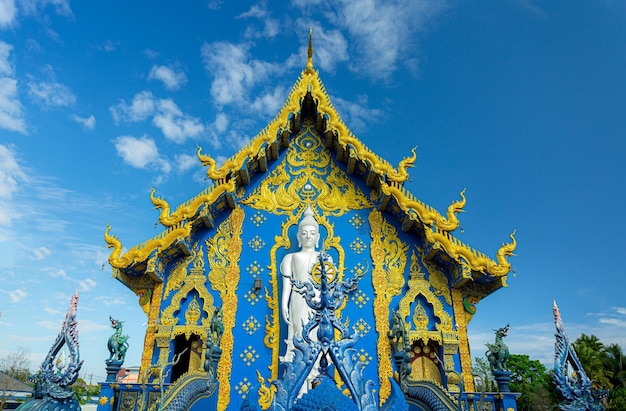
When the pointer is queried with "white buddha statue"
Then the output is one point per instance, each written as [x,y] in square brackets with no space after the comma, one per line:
[297,266]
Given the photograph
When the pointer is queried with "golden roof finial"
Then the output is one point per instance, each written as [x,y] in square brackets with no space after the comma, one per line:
[309,62]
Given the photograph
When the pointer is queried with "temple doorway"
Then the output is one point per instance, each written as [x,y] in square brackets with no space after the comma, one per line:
[191,358]
[425,362]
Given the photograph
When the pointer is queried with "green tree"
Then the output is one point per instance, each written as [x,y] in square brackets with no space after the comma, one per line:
[15,365]
[594,359]
[533,381]
[616,363]
[482,370]
[83,391]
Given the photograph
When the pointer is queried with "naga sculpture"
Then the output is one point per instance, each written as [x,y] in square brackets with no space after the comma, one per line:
[498,353]
[570,378]
[59,370]
[117,343]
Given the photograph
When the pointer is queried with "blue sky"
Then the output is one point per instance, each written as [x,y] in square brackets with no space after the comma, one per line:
[521,102]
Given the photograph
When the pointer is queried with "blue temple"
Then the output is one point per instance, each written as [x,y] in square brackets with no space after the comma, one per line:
[385,322]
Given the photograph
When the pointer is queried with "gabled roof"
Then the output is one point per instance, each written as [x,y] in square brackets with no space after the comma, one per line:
[309,99]
[8,383]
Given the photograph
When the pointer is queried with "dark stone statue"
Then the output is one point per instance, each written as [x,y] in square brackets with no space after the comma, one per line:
[498,353]
[117,343]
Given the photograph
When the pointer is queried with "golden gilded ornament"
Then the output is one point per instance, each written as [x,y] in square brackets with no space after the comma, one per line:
[307,172]
[464,351]
[418,285]
[194,281]
[153,317]
[442,334]
[438,280]
[271,135]
[266,394]
[388,262]
[224,253]
[189,208]
[142,251]
[427,215]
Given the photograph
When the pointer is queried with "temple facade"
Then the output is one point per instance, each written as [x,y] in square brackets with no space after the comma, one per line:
[238,316]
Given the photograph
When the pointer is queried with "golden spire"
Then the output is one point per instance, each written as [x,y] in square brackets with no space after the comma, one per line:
[309,62]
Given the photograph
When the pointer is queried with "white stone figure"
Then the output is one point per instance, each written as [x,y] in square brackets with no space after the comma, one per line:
[297,266]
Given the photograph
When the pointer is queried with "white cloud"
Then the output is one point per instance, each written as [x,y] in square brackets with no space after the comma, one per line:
[10,172]
[142,153]
[217,129]
[330,47]
[171,78]
[536,340]
[185,162]
[57,273]
[271,26]
[36,7]
[237,139]
[306,3]
[234,72]
[357,114]
[11,175]
[40,253]
[11,116]
[5,65]
[52,311]
[110,301]
[87,326]
[613,321]
[221,122]
[383,33]
[87,122]
[87,284]
[49,325]
[257,10]
[620,310]
[270,103]
[615,317]
[141,108]
[7,13]
[215,4]
[110,45]
[51,94]
[138,152]
[176,125]
[16,296]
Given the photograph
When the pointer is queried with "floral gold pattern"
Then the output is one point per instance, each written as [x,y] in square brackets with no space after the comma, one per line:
[224,252]
[389,260]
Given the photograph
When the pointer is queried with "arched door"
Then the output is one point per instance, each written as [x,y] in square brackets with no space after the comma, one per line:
[191,358]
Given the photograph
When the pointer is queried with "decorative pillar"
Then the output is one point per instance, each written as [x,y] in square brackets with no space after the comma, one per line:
[503,378]
[113,368]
